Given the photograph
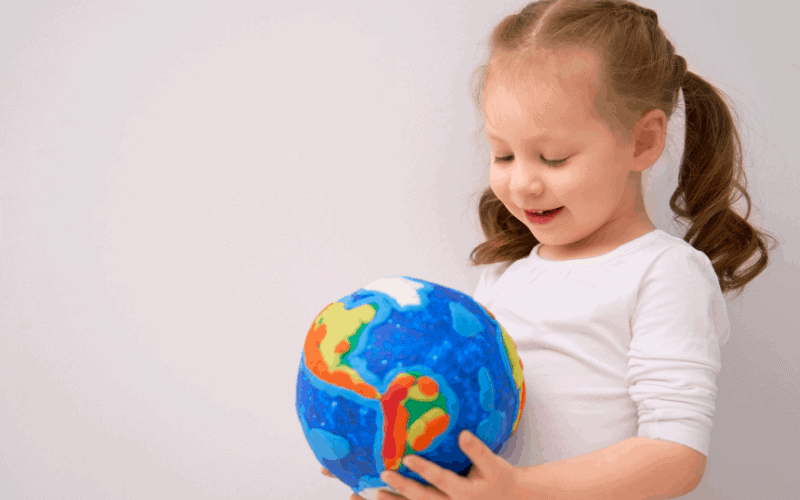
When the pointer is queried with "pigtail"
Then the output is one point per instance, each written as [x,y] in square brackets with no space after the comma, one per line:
[711,171]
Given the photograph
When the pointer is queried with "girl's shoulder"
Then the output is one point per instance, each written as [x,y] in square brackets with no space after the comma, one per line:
[673,251]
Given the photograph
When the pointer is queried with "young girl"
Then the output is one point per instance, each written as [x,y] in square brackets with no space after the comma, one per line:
[617,323]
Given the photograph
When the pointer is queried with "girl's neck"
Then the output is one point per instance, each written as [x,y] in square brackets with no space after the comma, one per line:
[596,244]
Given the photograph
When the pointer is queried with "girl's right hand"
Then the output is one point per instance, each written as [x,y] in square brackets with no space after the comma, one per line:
[354,496]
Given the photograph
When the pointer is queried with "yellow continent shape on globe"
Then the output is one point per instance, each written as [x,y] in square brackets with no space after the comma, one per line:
[516,367]
[342,326]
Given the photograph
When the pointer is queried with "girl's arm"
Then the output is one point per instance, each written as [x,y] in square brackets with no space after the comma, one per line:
[635,469]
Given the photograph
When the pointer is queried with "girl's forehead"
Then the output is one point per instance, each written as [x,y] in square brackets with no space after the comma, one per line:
[542,105]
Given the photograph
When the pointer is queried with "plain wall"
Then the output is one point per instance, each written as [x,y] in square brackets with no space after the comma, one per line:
[185,185]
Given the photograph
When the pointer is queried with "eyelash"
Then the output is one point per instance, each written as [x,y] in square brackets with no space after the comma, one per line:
[552,163]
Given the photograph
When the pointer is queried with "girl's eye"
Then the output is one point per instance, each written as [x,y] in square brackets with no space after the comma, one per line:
[506,159]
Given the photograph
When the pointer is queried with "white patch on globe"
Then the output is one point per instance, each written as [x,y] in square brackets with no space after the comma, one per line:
[402,290]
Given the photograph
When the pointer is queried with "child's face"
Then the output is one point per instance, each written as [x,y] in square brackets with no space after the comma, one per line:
[594,183]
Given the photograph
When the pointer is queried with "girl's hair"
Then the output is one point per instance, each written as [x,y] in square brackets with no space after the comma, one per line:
[639,71]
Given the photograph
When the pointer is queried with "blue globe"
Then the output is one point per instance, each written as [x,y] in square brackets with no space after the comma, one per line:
[399,367]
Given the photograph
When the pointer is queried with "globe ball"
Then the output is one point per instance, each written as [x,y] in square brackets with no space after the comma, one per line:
[400,367]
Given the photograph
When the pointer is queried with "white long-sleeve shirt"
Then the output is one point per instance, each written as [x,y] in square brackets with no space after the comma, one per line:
[615,346]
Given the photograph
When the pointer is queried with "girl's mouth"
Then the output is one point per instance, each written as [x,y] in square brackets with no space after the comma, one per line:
[547,216]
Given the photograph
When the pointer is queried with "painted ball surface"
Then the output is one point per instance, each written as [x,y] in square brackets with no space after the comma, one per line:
[399,367]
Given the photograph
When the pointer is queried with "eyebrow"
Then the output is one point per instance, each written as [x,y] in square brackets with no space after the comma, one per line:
[541,137]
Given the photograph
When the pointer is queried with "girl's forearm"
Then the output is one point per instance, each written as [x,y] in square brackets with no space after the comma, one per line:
[635,469]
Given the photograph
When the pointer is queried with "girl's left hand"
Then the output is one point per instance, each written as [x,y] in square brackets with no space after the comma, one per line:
[490,478]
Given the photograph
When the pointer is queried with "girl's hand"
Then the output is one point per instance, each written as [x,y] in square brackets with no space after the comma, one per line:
[489,478]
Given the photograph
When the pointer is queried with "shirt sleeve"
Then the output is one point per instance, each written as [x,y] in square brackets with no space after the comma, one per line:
[677,327]
[489,276]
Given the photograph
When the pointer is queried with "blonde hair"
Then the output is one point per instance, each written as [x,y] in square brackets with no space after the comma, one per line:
[639,72]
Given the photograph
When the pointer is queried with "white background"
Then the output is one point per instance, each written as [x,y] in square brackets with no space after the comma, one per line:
[186,184]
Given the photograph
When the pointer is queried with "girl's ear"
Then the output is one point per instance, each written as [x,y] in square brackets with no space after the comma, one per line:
[650,137]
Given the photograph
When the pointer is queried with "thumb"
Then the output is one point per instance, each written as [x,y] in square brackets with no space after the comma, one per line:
[473,447]
[483,458]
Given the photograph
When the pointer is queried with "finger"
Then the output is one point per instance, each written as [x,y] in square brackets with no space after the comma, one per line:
[474,448]
[328,473]
[483,458]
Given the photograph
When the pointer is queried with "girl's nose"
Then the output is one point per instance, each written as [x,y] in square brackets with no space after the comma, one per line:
[525,179]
